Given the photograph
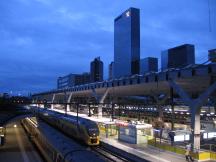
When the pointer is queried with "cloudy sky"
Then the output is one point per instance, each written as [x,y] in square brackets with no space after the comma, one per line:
[43,39]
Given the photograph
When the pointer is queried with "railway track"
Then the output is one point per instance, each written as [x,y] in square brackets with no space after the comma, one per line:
[108,155]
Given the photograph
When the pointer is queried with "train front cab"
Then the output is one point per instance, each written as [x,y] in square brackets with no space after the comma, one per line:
[93,141]
[93,134]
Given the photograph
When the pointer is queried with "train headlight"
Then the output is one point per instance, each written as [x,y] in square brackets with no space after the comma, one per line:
[15,126]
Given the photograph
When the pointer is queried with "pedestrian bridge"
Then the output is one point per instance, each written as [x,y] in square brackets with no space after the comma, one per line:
[193,84]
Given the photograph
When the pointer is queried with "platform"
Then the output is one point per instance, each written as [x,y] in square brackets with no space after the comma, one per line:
[147,152]
[141,151]
[17,147]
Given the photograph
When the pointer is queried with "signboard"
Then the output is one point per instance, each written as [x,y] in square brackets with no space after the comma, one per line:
[211,134]
[179,138]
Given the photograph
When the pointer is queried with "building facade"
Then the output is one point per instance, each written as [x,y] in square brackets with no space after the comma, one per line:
[212,55]
[148,64]
[111,68]
[73,80]
[96,70]
[178,57]
[127,43]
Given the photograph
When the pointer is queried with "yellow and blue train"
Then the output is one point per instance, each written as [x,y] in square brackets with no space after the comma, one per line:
[79,128]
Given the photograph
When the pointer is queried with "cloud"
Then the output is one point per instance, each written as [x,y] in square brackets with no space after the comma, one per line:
[44,39]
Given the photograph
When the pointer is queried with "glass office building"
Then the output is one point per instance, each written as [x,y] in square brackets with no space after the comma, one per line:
[73,80]
[148,64]
[212,55]
[127,43]
[178,57]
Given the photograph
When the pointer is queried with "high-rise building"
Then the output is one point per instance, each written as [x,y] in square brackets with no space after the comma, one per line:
[127,43]
[73,80]
[148,64]
[111,65]
[212,55]
[178,57]
[96,70]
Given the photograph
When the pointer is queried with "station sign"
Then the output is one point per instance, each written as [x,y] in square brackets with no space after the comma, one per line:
[122,124]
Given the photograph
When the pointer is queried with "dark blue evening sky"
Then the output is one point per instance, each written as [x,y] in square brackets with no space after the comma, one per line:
[43,39]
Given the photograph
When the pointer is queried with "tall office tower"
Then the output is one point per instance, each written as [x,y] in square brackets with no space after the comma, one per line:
[96,70]
[148,64]
[178,57]
[111,65]
[212,55]
[127,43]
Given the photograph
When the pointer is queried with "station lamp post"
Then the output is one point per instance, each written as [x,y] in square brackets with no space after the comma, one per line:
[65,102]
[77,111]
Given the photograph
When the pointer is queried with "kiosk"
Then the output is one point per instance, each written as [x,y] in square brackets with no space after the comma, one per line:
[134,132]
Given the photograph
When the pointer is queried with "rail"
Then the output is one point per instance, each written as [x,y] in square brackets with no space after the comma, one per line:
[109,155]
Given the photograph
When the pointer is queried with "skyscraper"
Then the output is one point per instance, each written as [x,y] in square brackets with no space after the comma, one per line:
[127,43]
[212,55]
[148,64]
[96,70]
[178,57]
[111,66]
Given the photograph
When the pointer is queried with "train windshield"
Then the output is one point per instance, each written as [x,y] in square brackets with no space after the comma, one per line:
[93,129]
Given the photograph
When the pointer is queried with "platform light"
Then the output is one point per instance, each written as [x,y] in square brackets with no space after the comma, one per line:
[15,126]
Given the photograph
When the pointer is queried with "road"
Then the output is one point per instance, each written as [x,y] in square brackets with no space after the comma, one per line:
[17,147]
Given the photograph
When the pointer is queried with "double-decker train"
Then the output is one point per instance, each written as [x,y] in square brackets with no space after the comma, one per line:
[79,128]
[53,145]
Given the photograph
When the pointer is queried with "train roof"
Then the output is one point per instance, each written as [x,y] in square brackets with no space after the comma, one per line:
[70,118]
[69,149]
